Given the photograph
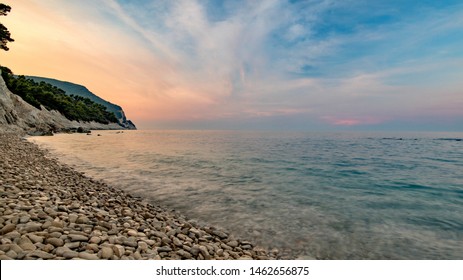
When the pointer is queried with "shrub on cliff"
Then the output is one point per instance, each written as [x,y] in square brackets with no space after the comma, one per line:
[53,98]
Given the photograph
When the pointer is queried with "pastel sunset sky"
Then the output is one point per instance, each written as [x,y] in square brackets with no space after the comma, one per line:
[270,64]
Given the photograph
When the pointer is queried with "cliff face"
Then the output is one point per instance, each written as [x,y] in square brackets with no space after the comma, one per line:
[17,115]
[79,90]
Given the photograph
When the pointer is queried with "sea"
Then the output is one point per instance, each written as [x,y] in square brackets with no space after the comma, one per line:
[307,195]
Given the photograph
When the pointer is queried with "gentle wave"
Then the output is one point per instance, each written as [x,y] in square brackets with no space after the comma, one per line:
[311,195]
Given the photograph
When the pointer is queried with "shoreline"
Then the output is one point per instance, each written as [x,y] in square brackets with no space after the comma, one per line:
[50,211]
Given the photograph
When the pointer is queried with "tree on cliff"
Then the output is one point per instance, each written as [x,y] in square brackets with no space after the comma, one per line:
[5,35]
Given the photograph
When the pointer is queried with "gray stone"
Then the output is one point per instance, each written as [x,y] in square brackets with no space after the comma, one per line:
[184,237]
[105,224]
[72,245]
[137,255]
[171,232]
[220,252]
[233,243]
[184,254]
[40,254]
[246,247]
[87,256]
[58,224]
[177,242]
[5,247]
[132,232]
[127,213]
[234,255]
[61,250]
[118,250]
[226,247]
[47,248]
[203,250]
[12,254]
[160,234]
[74,205]
[92,247]
[57,235]
[73,218]
[78,237]
[55,241]
[163,249]
[130,243]
[52,229]
[42,215]
[149,242]
[143,246]
[13,235]
[16,248]
[220,234]
[24,219]
[82,220]
[166,241]
[5,257]
[70,254]
[194,250]
[46,224]
[31,226]
[50,212]
[196,232]
[95,240]
[26,244]
[8,228]
[106,253]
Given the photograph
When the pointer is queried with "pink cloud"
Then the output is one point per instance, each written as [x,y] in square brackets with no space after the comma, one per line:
[352,121]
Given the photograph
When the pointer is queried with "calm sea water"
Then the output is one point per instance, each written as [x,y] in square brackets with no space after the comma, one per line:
[310,195]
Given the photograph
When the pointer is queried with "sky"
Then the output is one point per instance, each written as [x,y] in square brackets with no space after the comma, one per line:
[243,64]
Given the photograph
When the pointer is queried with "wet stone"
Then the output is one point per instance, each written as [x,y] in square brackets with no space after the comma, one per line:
[50,211]
[233,243]
[220,234]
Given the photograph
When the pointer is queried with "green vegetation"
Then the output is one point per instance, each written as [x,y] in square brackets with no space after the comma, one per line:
[80,90]
[5,35]
[53,98]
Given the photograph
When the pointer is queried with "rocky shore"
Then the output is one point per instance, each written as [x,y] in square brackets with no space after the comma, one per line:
[50,211]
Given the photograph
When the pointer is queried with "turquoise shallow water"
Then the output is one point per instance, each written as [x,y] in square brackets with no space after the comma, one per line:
[311,195]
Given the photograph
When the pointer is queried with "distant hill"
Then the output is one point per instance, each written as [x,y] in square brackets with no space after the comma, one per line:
[79,90]
[17,115]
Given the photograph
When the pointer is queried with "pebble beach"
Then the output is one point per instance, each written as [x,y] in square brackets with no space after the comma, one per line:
[50,211]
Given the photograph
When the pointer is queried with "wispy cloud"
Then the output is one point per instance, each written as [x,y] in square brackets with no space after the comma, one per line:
[339,62]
